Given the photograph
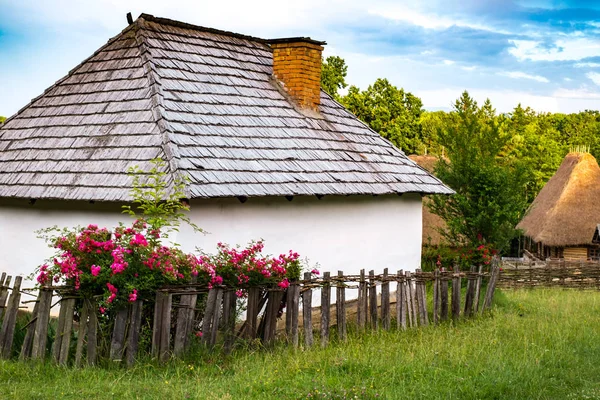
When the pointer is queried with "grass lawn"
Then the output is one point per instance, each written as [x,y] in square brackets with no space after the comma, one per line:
[541,344]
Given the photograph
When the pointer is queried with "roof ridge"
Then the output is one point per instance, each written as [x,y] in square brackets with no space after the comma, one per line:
[170,150]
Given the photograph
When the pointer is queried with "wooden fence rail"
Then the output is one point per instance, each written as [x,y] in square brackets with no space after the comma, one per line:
[559,273]
[182,312]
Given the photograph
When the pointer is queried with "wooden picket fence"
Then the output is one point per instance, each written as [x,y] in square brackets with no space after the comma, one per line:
[178,315]
[551,273]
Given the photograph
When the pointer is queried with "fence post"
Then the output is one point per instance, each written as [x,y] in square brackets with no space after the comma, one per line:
[410,306]
[133,338]
[489,294]
[385,301]
[40,338]
[444,295]
[307,310]
[373,300]
[162,326]
[456,283]
[478,288]
[7,332]
[471,278]
[207,319]
[28,340]
[4,286]
[400,301]
[421,297]
[185,320]
[118,335]
[362,301]
[325,308]
[341,306]
[252,312]
[216,317]
[436,296]
[295,308]
[92,344]
[83,325]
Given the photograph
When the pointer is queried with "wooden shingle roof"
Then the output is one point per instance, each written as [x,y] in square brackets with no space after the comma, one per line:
[205,101]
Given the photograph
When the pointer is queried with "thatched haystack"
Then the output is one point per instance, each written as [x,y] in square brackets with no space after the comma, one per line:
[432,223]
[563,218]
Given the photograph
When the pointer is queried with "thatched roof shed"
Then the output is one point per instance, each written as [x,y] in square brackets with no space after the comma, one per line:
[207,102]
[566,212]
[432,223]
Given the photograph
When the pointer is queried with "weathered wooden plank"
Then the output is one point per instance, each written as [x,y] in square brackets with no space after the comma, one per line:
[271,314]
[59,331]
[456,284]
[29,334]
[157,324]
[289,293]
[214,329]
[229,323]
[385,301]
[436,296]
[165,328]
[409,299]
[295,308]
[478,288]
[92,337]
[421,299]
[209,311]
[185,313]
[40,338]
[362,315]
[133,336]
[325,308]
[4,285]
[400,301]
[470,296]
[307,312]
[81,333]
[373,300]
[489,294]
[65,345]
[340,307]
[252,312]
[117,342]
[7,332]
[444,295]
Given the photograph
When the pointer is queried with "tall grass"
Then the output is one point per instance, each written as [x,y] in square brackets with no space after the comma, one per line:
[535,344]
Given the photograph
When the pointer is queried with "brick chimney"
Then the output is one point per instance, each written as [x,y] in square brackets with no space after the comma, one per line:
[297,64]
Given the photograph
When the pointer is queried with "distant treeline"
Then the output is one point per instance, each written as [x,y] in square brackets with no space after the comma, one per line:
[540,140]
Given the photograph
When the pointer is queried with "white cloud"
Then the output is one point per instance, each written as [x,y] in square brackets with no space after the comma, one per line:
[587,65]
[448,62]
[413,15]
[564,50]
[469,68]
[594,76]
[523,75]
[580,94]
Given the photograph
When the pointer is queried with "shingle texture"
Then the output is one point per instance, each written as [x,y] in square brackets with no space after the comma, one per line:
[206,102]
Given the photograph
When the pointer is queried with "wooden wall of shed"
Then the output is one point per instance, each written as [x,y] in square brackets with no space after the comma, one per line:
[575,253]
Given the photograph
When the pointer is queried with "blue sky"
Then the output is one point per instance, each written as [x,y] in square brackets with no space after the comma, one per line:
[543,54]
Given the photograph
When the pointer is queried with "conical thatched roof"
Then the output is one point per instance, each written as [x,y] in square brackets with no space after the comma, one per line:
[566,212]
[432,223]
[205,101]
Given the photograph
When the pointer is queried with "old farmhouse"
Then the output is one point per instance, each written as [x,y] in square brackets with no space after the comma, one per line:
[562,221]
[268,154]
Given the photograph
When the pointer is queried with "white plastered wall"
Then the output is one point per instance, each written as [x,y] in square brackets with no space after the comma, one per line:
[337,233]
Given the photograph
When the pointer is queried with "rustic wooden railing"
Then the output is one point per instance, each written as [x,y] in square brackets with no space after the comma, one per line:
[554,272]
[181,310]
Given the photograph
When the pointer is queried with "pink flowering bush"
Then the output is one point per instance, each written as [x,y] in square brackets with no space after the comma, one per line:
[125,264]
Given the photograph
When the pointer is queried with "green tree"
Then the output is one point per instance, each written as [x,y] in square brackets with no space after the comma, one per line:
[2,119]
[333,75]
[392,112]
[489,198]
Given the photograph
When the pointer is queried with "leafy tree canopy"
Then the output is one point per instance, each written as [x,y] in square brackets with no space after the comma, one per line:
[489,198]
[333,75]
[2,119]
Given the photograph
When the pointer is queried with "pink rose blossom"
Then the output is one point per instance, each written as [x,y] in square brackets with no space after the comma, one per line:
[95,270]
